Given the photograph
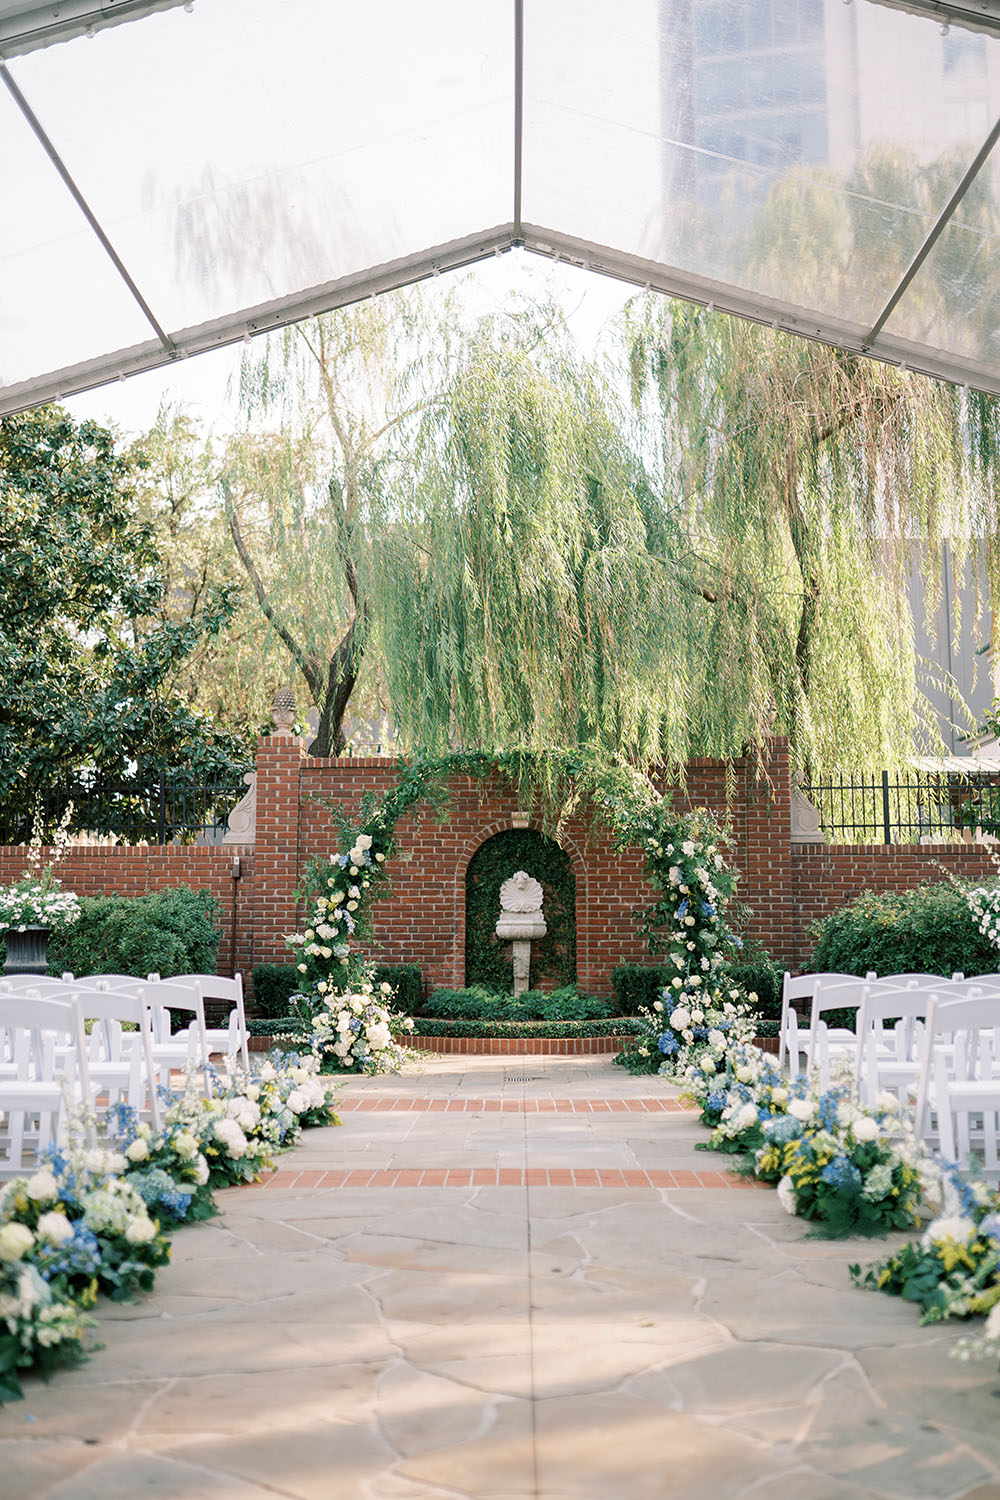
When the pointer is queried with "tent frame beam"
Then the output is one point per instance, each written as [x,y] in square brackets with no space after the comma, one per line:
[934,233]
[41,135]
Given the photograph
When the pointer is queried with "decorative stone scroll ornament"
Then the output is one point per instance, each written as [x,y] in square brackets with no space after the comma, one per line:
[807,826]
[243,818]
[521,920]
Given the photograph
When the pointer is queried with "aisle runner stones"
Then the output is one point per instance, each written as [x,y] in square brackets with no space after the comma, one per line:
[542,1340]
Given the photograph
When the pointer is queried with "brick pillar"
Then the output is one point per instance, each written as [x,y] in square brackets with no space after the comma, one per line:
[276,856]
[763,850]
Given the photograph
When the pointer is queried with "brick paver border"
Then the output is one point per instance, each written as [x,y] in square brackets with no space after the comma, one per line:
[345,1103]
[466,1177]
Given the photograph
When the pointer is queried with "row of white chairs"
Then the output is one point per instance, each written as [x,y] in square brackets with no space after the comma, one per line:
[47,1058]
[941,1050]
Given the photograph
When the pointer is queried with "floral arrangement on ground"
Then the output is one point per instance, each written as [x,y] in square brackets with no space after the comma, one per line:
[848,1169]
[96,1216]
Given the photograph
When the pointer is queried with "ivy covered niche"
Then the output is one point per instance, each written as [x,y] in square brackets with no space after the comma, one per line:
[487,957]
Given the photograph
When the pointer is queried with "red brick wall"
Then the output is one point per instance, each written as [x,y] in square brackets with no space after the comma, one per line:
[786,887]
[135,871]
[825,878]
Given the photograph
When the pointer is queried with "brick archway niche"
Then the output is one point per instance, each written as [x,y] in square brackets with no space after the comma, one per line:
[577,866]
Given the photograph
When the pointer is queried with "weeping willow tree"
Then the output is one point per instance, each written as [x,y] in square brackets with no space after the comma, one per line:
[326,409]
[811,483]
[701,540]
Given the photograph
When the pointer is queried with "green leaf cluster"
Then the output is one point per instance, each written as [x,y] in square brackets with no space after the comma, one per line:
[929,930]
[174,931]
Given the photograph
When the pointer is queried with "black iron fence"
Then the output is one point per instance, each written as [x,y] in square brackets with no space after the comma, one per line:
[911,808]
[152,807]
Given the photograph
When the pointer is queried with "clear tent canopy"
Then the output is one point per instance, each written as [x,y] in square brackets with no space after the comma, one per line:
[178,176]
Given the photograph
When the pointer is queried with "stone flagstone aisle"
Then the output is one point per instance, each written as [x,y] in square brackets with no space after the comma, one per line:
[508,1280]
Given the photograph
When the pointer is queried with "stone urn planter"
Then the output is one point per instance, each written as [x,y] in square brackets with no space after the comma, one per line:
[26,951]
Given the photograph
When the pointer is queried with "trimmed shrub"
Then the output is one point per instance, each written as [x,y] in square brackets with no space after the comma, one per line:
[757,971]
[408,982]
[618,1026]
[273,987]
[167,932]
[929,930]
[275,984]
[477,1003]
[636,986]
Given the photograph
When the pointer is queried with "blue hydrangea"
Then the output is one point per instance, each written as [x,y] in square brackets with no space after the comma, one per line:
[842,1175]
[707,910]
[716,1101]
[700,1033]
[668,1044]
[782,1128]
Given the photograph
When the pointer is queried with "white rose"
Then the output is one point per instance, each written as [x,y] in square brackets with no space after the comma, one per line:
[364,841]
[267,1073]
[43,1188]
[697,1016]
[302,969]
[707,1065]
[802,1109]
[886,1102]
[865,1128]
[138,1150]
[680,1018]
[385,989]
[252,1091]
[380,858]
[787,1196]
[55,1229]
[352,906]
[717,1041]
[779,1096]
[140,1230]
[657,1004]
[15,1240]
[338,898]
[743,1073]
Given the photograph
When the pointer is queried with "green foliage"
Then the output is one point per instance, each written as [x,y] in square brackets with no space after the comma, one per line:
[636,986]
[780,455]
[478,1003]
[755,972]
[427,1026]
[929,930]
[167,932]
[274,985]
[83,663]
[487,957]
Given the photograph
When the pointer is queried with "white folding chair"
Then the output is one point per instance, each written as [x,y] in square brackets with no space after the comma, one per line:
[233,1038]
[959,1085]
[889,1060]
[120,1063]
[794,1038]
[34,1100]
[37,985]
[839,1045]
[187,1048]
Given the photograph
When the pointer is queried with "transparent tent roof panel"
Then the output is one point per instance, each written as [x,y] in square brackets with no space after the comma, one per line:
[792,153]
[232,160]
[797,151]
[60,297]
